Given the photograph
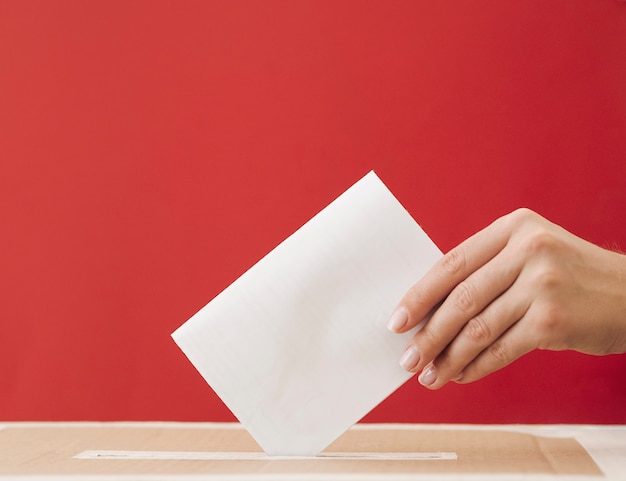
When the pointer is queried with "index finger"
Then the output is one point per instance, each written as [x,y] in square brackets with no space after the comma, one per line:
[454,267]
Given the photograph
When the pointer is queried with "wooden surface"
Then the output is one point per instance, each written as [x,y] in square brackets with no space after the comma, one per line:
[46,450]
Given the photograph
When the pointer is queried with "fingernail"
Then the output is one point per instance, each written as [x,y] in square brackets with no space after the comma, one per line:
[398,319]
[458,377]
[428,376]
[410,358]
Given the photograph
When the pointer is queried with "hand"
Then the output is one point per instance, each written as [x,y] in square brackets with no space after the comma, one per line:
[520,284]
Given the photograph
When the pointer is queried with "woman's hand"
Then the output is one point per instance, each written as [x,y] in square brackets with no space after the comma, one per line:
[522,283]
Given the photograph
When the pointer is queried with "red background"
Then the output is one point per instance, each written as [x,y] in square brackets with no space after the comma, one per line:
[151,152]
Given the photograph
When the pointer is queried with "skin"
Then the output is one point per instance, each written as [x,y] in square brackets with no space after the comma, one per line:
[520,284]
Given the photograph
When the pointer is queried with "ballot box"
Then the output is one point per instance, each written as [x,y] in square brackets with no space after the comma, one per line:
[366,451]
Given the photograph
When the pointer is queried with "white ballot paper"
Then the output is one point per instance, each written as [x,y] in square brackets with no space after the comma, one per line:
[298,347]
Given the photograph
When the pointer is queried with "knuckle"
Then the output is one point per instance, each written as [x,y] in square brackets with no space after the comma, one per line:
[417,295]
[523,215]
[549,323]
[454,261]
[540,241]
[518,218]
[499,352]
[463,297]
[547,279]
[478,330]
[530,228]
[431,342]
[429,336]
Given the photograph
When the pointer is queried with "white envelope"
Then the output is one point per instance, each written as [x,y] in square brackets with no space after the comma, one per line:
[298,347]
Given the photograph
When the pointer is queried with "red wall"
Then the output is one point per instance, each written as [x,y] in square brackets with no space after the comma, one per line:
[150,152]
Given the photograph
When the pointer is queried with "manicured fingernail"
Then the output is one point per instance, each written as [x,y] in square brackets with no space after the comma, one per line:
[428,376]
[410,358]
[398,319]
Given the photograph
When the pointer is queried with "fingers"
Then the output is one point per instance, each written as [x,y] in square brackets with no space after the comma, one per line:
[485,330]
[450,270]
[467,301]
[512,345]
